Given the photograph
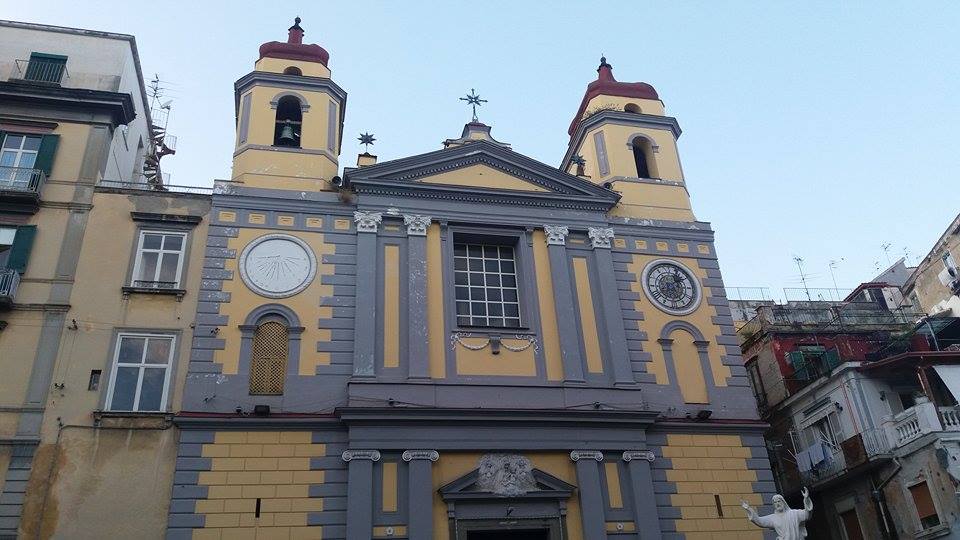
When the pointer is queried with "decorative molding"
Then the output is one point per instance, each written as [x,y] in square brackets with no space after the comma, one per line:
[416,224]
[367,221]
[600,237]
[248,280]
[646,455]
[350,455]
[410,455]
[496,341]
[556,234]
[577,455]
[150,217]
[506,475]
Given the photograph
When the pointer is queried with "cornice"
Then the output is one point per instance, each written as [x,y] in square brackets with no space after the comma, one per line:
[119,106]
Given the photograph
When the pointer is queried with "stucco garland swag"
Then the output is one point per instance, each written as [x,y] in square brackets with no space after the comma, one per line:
[457,338]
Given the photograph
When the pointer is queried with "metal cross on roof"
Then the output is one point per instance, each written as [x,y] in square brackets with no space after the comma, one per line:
[366,139]
[474,100]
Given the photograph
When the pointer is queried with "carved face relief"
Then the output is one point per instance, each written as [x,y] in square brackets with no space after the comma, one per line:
[507,475]
[277,265]
[671,287]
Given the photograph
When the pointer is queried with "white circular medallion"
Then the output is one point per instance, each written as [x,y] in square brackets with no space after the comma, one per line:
[671,286]
[277,265]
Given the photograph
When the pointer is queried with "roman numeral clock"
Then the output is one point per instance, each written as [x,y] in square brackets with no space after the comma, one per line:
[277,265]
[671,286]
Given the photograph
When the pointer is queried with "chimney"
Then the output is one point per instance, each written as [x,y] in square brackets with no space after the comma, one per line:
[365,159]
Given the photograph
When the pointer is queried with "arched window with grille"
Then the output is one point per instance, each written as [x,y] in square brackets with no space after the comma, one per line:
[268,358]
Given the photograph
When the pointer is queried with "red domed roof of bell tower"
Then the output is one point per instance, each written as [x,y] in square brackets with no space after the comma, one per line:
[606,85]
[294,48]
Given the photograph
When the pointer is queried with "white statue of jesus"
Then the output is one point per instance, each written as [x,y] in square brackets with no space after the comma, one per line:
[788,523]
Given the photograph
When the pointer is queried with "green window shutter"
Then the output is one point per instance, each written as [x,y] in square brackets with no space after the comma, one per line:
[48,149]
[20,250]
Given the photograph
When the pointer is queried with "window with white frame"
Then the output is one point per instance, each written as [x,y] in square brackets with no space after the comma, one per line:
[140,376]
[485,283]
[159,261]
[18,155]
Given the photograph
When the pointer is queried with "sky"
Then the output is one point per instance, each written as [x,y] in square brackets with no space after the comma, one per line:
[818,130]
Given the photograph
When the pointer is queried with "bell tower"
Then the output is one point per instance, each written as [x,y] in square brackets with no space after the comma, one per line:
[289,115]
[622,138]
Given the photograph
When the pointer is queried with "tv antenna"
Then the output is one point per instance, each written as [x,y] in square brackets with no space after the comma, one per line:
[886,251]
[803,278]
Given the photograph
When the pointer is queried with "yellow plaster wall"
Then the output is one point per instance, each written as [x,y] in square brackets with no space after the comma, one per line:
[273,466]
[277,65]
[18,349]
[482,176]
[263,117]
[620,154]
[588,317]
[391,306]
[71,149]
[435,331]
[484,362]
[706,466]
[452,466]
[647,106]
[653,201]
[306,304]
[548,311]
[655,320]
[283,169]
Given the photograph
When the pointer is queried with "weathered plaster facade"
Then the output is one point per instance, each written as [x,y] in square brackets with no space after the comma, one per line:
[609,417]
[72,465]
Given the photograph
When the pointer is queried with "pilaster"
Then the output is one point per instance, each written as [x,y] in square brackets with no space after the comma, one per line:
[600,239]
[644,500]
[420,496]
[591,494]
[360,492]
[418,362]
[563,300]
[364,351]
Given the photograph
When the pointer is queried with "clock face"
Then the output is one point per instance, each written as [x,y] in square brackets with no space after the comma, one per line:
[671,286]
[277,265]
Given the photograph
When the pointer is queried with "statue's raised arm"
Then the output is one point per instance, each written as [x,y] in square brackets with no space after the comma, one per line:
[787,522]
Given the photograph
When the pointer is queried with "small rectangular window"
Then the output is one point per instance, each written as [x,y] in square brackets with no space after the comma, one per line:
[159,261]
[94,383]
[140,375]
[924,504]
[486,285]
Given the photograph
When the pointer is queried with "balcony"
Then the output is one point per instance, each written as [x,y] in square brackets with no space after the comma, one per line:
[921,419]
[20,189]
[858,453]
[9,281]
[52,70]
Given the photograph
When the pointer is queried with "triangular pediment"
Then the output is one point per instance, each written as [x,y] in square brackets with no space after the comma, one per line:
[479,171]
[546,486]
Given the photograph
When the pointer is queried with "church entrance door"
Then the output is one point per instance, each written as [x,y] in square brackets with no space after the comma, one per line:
[514,529]
[516,534]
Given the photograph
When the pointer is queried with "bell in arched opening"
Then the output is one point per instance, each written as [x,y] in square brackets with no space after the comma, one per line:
[289,122]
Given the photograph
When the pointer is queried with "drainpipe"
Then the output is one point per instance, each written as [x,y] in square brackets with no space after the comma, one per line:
[877,495]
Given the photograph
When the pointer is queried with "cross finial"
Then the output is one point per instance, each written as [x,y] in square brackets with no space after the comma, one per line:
[474,100]
[366,139]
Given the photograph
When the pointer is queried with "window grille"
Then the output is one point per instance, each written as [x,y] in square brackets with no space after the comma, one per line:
[486,285]
[268,362]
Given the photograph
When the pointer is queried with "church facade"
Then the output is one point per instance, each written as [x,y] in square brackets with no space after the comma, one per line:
[461,344]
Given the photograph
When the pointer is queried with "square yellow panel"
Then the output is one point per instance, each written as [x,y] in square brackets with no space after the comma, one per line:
[258,219]
[227,216]
[314,222]
[662,246]
[575,241]
[391,227]
[702,248]
[619,242]
[641,244]
[342,224]
[285,220]
[683,248]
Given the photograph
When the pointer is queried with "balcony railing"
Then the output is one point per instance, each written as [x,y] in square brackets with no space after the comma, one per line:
[853,452]
[21,179]
[148,186]
[921,419]
[9,281]
[42,70]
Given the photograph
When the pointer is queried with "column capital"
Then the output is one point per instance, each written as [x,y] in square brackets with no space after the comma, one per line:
[416,224]
[645,455]
[600,237]
[351,455]
[367,221]
[410,455]
[577,455]
[556,234]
